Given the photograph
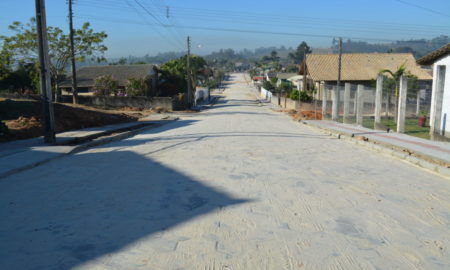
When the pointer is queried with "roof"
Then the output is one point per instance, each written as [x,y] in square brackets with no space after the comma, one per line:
[433,56]
[87,75]
[360,66]
[285,75]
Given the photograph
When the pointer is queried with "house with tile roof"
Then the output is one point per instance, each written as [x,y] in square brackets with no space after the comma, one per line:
[86,77]
[440,96]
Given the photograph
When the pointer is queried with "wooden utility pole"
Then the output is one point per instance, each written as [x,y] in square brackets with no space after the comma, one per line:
[46,87]
[304,71]
[188,70]
[72,56]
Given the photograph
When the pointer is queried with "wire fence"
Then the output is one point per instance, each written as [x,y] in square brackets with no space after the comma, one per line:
[357,104]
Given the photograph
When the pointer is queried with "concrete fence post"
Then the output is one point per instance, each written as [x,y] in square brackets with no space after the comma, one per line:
[418,103]
[347,102]
[335,104]
[324,101]
[401,113]
[378,101]
[359,104]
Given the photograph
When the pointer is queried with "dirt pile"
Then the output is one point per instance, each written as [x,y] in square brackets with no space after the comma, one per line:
[22,119]
[305,115]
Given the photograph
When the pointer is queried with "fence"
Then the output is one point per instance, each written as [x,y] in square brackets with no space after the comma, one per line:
[401,106]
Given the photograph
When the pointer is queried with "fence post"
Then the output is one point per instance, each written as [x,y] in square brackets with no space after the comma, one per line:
[335,102]
[359,104]
[378,101]
[401,113]
[324,101]
[346,102]
[418,103]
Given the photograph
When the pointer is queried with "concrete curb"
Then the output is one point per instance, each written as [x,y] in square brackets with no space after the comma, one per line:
[389,149]
[85,146]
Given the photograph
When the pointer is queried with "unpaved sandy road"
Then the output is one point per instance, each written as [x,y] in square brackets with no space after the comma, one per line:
[234,187]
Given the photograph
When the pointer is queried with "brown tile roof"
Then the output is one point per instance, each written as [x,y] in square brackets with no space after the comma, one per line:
[87,75]
[433,56]
[360,66]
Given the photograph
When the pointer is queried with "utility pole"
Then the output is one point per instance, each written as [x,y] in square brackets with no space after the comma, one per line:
[72,56]
[304,71]
[46,90]
[188,69]
[336,101]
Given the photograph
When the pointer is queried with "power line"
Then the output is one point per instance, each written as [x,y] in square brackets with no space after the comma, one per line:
[423,8]
[115,20]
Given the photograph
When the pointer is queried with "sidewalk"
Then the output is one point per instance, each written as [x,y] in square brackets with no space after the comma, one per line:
[432,155]
[24,154]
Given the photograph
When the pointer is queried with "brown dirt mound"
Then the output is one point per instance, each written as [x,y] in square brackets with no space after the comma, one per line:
[23,118]
[305,115]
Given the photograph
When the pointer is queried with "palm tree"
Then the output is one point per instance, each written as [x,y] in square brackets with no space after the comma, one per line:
[396,75]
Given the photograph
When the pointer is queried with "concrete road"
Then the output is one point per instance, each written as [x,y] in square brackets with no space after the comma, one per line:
[234,187]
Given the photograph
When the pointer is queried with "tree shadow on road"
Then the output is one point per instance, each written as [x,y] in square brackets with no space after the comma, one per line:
[90,205]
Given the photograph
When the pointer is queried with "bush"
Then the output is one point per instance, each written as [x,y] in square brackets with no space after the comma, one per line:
[267,85]
[105,85]
[303,96]
[135,87]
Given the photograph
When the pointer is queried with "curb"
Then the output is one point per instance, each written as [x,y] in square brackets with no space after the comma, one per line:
[85,146]
[389,149]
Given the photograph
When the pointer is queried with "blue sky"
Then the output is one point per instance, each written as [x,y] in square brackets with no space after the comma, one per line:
[138,27]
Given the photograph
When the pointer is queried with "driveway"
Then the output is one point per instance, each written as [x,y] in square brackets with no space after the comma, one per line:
[237,186]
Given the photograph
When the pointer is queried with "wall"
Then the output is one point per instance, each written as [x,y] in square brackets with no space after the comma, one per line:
[446,98]
[266,94]
[134,102]
[201,93]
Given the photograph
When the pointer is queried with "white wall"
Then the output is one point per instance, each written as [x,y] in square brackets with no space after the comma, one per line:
[265,94]
[446,98]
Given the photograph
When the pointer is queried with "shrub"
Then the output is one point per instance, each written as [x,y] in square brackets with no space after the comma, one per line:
[105,85]
[135,87]
[303,96]
[267,85]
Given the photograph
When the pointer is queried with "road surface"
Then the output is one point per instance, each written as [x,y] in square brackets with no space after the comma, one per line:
[237,186]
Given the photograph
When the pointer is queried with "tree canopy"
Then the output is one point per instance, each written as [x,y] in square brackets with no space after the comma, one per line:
[22,48]
[299,54]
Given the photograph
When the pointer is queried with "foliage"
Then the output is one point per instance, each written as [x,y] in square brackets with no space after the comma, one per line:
[302,96]
[25,78]
[298,55]
[105,86]
[135,87]
[267,85]
[175,72]
[22,47]
[285,87]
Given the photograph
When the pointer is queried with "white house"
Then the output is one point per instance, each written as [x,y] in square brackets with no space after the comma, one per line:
[440,97]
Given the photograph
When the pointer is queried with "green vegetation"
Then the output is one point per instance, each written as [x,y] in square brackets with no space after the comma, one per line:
[105,86]
[136,87]
[411,126]
[19,53]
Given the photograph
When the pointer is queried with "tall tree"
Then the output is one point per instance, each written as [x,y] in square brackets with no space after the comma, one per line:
[22,46]
[298,55]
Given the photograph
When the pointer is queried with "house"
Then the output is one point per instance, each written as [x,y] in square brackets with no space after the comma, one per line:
[86,77]
[440,97]
[358,68]
[284,77]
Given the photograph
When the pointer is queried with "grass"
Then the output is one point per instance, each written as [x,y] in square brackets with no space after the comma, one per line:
[411,126]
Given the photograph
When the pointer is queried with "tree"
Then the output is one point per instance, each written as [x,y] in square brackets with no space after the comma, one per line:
[175,72]
[299,54]
[395,75]
[105,85]
[135,87]
[23,47]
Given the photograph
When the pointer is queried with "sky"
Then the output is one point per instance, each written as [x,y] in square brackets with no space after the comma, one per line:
[140,27]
